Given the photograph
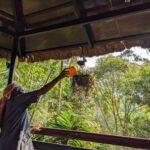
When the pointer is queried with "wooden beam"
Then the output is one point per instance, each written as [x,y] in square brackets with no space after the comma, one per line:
[69,4]
[18,13]
[5,48]
[19,17]
[7,22]
[13,59]
[108,6]
[7,31]
[140,36]
[94,137]
[99,42]
[89,19]
[49,10]
[81,13]
[68,16]
[50,146]
[7,15]
[57,48]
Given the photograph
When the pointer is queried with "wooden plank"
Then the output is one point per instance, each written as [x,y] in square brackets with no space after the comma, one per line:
[61,18]
[49,10]
[7,31]
[99,42]
[50,146]
[68,16]
[89,19]
[5,48]
[7,22]
[57,48]
[94,137]
[7,15]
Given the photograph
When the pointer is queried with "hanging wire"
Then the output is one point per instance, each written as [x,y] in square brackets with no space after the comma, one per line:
[82,62]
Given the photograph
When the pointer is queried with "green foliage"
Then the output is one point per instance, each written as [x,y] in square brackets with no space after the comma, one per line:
[68,119]
[140,125]
[123,91]
[118,102]
[3,75]
[110,65]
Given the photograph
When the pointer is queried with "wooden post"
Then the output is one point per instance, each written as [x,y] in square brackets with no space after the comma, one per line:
[13,59]
[19,17]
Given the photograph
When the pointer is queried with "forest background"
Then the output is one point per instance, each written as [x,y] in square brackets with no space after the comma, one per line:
[118,104]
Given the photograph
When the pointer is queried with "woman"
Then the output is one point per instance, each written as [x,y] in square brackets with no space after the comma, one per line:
[14,120]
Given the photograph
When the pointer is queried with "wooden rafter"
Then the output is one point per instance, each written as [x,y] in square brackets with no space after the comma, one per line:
[49,10]
[98,42]
[7,15]
[89,19]
[5,48]
[67,16]
[81,13]
[7,31]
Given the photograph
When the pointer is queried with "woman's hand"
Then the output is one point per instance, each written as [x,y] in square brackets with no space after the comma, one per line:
[65,73]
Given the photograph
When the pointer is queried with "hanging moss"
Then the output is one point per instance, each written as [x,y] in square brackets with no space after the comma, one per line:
[83,82]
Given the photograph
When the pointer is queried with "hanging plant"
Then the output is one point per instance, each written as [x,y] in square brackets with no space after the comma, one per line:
[83,82]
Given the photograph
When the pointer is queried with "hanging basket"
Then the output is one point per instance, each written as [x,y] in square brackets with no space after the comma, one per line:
[83,82]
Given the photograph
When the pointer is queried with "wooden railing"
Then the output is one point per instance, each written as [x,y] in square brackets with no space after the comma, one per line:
[134,142]
[50,146]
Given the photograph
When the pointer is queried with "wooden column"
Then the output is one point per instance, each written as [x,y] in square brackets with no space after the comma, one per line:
[19,17]
[13,59]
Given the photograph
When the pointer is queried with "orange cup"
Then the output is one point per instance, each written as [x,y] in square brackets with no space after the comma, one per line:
[72,71]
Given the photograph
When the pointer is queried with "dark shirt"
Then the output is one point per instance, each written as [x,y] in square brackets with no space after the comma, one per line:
[16,123]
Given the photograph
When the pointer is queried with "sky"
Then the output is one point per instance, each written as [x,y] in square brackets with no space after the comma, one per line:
[144,53]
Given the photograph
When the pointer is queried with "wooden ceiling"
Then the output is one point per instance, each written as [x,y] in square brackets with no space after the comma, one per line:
[54,29]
